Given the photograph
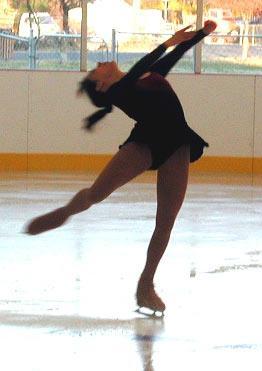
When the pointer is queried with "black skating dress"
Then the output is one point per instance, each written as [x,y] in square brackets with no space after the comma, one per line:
[153,104]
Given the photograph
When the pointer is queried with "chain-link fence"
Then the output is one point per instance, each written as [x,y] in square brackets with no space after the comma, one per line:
[241,53]
[233,57]
[51,52]
[130,47]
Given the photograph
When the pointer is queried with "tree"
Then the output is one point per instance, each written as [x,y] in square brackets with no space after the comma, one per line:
[65,6]
[240,8]
[25,5]
[31,7]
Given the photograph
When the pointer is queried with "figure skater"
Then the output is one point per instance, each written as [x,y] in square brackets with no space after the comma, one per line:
[160,140]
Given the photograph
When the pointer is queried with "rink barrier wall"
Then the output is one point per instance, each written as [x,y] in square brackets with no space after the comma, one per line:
[41,122]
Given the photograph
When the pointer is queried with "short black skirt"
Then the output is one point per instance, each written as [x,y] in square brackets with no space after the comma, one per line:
[163,145]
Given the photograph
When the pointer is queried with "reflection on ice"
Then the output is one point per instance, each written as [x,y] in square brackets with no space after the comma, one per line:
[236,267]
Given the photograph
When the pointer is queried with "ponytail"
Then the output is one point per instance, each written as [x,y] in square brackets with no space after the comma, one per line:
[98,98]
[93,119]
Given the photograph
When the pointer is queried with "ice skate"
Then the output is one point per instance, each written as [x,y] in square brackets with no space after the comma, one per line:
[46,222]
[146,297]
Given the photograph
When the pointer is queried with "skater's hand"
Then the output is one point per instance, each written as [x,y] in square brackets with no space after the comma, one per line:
[180,36]
[209,27]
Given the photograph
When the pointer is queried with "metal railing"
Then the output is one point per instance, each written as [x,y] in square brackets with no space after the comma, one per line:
[7,41]
[64,48]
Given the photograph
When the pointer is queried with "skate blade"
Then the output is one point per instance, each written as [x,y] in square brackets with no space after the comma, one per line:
[150,312]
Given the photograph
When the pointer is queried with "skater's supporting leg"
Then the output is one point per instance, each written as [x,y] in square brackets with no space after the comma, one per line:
[131,160]
[171,188]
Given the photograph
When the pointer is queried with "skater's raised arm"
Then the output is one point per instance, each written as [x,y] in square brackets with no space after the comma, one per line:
[146,62]
[164,65]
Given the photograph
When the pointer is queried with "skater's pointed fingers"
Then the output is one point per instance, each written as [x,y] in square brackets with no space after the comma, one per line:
[186,28]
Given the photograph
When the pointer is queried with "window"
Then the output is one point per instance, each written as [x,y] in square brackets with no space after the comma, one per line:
[236,45]
[36,35]
[46,34]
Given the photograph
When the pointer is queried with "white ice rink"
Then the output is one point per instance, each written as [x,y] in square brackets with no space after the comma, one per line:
[67,296]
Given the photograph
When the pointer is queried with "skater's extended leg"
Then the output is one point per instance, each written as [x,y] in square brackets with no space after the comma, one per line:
[131,160]
[171,188]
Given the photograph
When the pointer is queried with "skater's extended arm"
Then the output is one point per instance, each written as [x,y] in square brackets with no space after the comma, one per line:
[164,65]
[146,62]
[142,66]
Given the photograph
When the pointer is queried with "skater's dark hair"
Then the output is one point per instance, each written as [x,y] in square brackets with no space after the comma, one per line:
[98,98]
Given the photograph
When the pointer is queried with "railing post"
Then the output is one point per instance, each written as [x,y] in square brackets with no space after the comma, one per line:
[113,45]
[30,50]
[34,43]
[253,35]
[198,47]
[83,51]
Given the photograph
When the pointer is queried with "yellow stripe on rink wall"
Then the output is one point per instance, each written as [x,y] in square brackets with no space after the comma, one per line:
[52,162]
[12,162]
[224,164]
[67,162]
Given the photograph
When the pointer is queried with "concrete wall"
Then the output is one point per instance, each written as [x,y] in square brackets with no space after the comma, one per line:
[40,113]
